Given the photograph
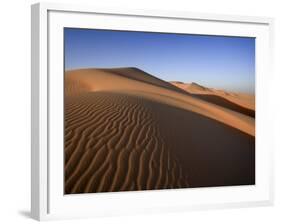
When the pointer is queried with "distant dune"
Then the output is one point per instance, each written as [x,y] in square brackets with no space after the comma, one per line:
[242,103]
[128,130]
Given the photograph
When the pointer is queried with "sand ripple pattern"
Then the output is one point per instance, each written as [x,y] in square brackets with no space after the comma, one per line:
[113,143]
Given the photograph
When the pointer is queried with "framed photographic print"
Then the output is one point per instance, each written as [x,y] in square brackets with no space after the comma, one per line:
[148,111]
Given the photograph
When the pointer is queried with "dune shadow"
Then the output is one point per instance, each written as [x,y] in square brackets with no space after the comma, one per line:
[225,103]
[210,152]
[144,77]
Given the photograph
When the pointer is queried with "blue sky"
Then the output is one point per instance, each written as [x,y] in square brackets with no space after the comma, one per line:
[213,61]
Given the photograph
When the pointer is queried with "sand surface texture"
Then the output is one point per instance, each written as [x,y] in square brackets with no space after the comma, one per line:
[128,130]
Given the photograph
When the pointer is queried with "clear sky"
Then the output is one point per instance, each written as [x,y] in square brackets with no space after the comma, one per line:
[213,61]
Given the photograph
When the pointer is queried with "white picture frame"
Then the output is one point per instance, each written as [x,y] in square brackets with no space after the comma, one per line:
[47,198]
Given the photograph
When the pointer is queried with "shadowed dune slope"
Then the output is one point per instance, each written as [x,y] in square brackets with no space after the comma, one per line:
[132,133]
[139,75]
[226,103]
[241,103]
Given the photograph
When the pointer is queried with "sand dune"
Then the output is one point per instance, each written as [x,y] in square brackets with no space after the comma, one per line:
[246,102]
[114,144]
[128,130]
[101,80]
[222,101]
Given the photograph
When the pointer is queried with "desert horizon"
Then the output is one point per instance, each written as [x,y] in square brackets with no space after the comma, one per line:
[127,130]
